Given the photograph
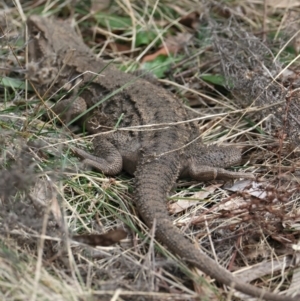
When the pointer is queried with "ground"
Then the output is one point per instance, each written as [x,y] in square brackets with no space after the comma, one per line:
[235,64]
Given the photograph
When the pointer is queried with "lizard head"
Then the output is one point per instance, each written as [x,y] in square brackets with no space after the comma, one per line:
[42,52]
[40,44]
[48,37]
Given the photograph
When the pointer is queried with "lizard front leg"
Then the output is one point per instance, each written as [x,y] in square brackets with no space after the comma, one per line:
[107,158]
[69,108]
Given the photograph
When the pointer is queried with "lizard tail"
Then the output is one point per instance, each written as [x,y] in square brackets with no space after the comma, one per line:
[153,182]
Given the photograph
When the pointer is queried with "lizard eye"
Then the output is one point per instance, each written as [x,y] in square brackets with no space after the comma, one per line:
[35,32]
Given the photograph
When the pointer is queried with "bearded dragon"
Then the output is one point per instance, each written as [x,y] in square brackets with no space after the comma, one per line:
[165,148]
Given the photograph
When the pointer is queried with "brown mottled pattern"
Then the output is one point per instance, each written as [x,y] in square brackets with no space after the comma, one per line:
[156,155]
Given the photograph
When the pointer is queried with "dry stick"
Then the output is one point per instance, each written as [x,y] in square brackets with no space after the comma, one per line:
[265,20]
[40,255]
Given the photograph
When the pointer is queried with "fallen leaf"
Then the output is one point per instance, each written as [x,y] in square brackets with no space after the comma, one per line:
[294,287]
[159,65]
[239,185]
[118,47]
[191,20]
[56,211]
[184,204]
[234,205]
[264,268]
[282,3]
[99,5]
[173,45]
[181,205]
[104,240]
[255,189]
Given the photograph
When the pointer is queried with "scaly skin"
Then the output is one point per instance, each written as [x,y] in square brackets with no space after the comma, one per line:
[157,156]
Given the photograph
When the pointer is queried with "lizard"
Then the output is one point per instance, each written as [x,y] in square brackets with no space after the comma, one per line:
[166,147]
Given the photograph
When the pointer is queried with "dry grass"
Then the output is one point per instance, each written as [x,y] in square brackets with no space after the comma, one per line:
[223,71]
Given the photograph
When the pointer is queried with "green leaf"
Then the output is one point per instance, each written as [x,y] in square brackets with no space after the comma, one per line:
[214,79]
[112,22]
[13,83]
[144,37]
[129,67]
[160,65]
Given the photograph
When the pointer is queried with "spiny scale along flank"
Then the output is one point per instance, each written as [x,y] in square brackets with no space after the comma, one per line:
[156,156]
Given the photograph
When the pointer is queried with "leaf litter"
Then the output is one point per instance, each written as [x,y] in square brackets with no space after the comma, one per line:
[261,216]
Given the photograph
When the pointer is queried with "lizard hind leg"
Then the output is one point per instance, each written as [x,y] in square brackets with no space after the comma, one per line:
[209,162]
[106,158]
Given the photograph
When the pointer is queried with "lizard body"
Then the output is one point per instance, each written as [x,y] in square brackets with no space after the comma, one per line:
[157,155]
